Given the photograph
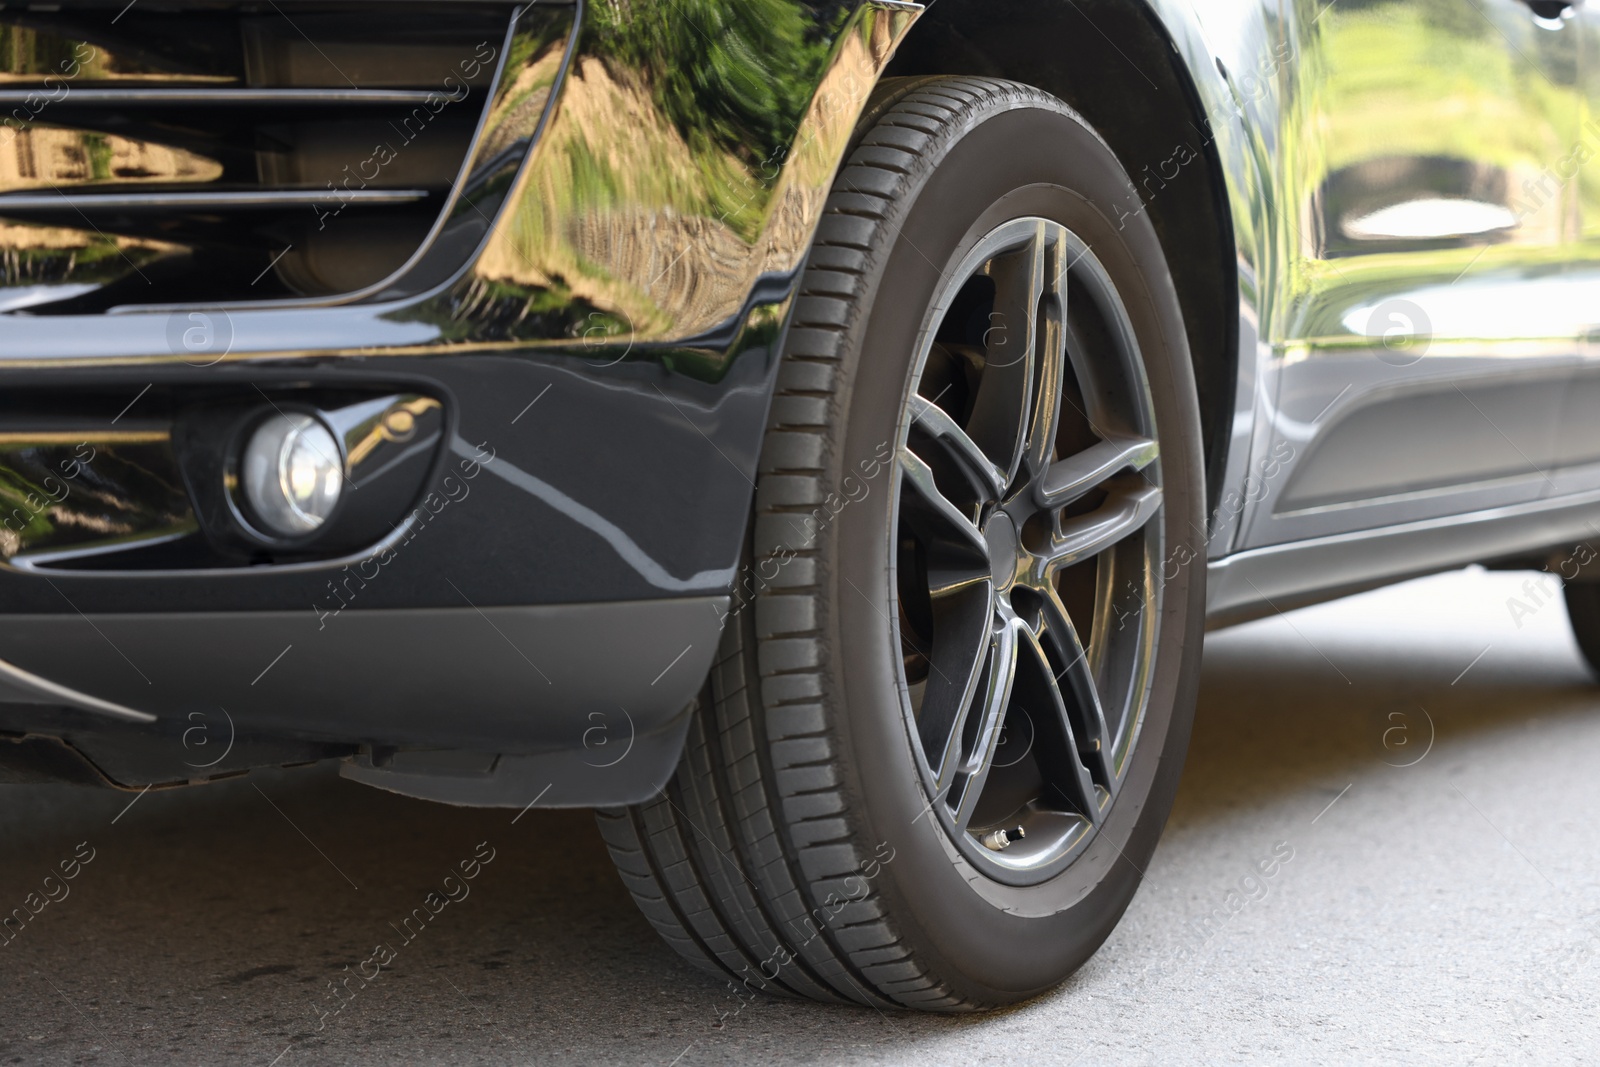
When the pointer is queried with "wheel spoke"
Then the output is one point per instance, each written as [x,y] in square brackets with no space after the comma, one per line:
[962,635]
[1126,509]
[1068,479]
[1102,352]
[1051,348]
[993,700]
[937,518]
[1057,743]
[1002,407]
[937,424]
[1080,693]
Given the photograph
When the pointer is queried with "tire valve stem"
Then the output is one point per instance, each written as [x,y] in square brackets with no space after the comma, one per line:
[1000,840]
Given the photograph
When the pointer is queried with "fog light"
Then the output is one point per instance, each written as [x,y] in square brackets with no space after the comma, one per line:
[292,474]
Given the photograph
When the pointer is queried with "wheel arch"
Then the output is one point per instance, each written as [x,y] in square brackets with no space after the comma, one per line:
[1070,48]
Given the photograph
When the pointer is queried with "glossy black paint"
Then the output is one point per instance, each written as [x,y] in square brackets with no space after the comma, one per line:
[622,460]
[592,328]
[156,493]
[66,493]
[598,485]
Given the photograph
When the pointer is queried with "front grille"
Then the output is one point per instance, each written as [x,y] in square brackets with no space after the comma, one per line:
[160,153]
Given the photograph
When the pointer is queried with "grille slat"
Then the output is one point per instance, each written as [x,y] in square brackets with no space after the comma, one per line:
[222,97]
[179,201]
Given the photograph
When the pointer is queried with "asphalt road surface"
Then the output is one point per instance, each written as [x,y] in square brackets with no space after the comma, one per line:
[1426,756]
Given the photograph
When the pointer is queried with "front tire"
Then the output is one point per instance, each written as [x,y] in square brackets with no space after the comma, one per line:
[974,597]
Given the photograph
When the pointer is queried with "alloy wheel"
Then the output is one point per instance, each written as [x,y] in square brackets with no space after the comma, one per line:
[1026,548]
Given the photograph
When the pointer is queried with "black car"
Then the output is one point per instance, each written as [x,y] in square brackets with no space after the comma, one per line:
[805,430]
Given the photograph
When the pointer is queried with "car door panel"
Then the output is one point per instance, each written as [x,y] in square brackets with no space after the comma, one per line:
[1420,357]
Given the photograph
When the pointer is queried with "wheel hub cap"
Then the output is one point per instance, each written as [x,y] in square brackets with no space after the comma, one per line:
[1005,550]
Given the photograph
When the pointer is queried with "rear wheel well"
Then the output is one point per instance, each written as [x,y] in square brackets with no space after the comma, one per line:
[1144,105]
